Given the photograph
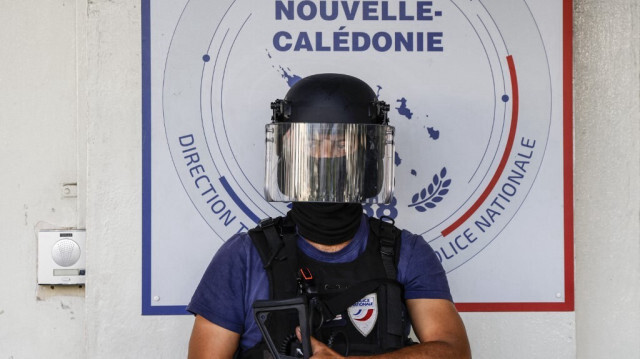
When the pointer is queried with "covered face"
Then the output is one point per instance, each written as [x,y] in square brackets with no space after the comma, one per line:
[329,141]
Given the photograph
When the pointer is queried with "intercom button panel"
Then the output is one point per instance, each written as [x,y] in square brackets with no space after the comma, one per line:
[61,256]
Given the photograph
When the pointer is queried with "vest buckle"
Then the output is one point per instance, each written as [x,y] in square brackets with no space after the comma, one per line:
[266,222]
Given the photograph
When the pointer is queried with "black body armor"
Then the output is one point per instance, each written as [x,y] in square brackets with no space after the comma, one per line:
[368,285]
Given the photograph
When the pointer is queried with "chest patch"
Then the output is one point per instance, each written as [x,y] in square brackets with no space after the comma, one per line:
[364,313]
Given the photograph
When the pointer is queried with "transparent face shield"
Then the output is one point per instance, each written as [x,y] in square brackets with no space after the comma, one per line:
[329,162]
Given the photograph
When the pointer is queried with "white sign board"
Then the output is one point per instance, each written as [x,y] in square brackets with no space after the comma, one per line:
[480,95]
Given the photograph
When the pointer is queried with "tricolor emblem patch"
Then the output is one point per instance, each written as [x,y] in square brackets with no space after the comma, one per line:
[364,313]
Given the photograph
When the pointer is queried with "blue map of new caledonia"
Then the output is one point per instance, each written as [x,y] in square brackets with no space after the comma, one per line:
[472,124]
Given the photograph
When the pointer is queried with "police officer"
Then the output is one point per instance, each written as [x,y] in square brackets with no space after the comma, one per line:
[329,148]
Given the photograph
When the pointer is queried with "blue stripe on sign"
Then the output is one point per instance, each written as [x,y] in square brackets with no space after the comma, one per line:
[237,200]
[146,158]
[165,310]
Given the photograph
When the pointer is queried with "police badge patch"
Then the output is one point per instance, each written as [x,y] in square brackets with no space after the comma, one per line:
[364,313]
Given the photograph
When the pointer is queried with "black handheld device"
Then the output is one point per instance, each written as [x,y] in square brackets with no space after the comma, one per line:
[263,311]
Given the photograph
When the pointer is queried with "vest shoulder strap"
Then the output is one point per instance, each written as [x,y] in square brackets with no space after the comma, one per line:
[389,236]
[275,241]
[266,239]
[390,241]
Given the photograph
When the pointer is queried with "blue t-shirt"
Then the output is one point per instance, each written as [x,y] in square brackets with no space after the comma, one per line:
[236,278]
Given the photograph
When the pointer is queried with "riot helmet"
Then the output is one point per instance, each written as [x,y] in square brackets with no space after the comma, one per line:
[329,141]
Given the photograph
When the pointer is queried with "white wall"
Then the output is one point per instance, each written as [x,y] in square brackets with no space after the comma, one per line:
[70,111]
[607,178]
[38,153]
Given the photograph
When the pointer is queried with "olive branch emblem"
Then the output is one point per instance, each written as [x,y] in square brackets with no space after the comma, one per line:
[434,193]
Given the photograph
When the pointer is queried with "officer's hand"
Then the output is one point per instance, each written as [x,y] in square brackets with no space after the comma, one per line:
[319,349]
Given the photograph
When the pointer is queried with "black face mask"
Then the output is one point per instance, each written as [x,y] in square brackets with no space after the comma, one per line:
[327,223]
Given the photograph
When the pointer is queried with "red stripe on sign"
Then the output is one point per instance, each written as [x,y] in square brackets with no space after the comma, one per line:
[513,307]
[503,160]
[568,155]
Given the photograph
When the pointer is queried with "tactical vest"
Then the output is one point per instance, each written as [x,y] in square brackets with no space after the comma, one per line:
[364,291]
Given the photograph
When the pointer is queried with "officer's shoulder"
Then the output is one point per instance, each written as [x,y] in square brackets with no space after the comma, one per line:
[406,234]
[410,239]
[237,242]
[414,244]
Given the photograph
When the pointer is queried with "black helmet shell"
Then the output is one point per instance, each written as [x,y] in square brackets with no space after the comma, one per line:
[330,98]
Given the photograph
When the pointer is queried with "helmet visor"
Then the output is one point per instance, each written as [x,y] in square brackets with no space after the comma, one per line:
[329,162]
